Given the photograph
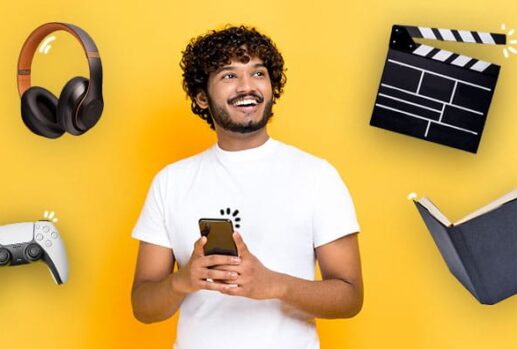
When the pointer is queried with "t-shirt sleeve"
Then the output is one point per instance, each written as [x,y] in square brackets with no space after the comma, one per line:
[334,214]
[151,226]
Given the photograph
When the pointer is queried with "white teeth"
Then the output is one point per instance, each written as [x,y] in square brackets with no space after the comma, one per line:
[245,102]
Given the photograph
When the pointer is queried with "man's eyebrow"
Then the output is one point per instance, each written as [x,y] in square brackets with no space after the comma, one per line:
[224,68]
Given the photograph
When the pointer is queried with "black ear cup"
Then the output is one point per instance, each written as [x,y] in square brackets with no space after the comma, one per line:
[38,107]
[90,112]
[69,101]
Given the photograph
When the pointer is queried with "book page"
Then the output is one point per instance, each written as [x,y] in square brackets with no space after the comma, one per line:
[490,207]
[434,211]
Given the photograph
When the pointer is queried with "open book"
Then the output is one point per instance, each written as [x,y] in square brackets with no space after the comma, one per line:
[481,248]
[424,201]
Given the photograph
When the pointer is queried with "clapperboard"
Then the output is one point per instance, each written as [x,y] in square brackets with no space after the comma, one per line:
[433,94]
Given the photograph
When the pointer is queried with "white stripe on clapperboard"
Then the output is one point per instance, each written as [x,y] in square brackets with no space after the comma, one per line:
[442,55]
[427,33]
[447,34]
[480,66]
[460,61]
[466,36]
[486,38]
[423,50]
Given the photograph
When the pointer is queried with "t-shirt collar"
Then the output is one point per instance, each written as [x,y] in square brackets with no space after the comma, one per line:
[247,154]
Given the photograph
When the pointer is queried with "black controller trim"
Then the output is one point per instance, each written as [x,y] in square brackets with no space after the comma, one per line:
[52,268]
[18,253]
[18,257]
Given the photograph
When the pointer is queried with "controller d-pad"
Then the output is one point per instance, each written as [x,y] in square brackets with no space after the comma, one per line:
[4,256]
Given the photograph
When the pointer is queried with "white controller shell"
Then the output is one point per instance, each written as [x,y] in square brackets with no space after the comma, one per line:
[16,237]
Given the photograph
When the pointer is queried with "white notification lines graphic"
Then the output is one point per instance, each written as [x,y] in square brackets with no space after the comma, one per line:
[49,215]
[509,49]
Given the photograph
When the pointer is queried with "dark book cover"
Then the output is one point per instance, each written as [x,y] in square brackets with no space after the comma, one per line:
[480,250]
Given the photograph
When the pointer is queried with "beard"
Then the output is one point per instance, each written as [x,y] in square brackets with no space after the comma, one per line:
[222,117]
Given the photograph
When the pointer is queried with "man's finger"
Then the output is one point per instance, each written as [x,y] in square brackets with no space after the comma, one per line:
[241,246]
[198,247]
[235,268]
[213,286]
[232,290]
[219,259]
[219,275]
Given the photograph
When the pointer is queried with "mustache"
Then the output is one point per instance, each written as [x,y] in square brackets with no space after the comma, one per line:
[258,98]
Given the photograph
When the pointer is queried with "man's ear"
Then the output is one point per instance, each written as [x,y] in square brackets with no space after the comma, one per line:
[202,100]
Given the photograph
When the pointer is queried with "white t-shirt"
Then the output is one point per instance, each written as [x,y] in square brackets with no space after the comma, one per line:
[283,201]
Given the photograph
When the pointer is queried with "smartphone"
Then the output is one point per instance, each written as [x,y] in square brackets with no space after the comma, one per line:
[219,234]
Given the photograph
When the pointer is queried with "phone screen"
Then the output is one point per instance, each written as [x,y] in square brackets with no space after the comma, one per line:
[219,234]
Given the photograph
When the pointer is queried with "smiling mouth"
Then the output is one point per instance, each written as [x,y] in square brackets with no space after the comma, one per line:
[246,102]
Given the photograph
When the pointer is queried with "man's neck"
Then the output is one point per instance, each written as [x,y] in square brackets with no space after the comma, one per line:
[233,141]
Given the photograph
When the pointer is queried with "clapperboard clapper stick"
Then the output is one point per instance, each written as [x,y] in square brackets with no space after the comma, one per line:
[480,249]
[434,94]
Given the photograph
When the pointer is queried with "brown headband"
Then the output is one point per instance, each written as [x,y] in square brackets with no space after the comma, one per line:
[34,39]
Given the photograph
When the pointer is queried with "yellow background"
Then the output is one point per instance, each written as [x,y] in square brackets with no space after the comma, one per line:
[334,52]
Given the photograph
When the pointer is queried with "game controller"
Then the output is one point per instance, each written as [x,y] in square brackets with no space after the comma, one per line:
[23,243]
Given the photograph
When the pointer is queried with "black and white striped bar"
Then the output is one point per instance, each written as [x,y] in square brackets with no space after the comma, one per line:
[454,58]
[456,35]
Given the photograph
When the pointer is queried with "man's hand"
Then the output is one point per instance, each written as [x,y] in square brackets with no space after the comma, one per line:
[254,280]
[194,275]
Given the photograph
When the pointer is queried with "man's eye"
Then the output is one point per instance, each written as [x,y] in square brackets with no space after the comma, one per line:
[228,76]
[260,73]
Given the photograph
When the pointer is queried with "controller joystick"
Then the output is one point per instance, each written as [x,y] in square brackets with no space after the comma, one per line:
[5,256]
[34,252]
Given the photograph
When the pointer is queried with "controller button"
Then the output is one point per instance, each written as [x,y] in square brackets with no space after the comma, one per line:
[54,235]
[46,229]
[48,243]
[4,256]
[34,252]
[39,237]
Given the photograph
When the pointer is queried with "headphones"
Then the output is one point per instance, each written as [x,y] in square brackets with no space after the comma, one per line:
[80,103]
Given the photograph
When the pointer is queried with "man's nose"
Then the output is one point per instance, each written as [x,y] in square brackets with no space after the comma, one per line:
[245,84]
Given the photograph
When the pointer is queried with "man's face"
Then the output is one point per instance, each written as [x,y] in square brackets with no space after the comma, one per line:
[240,96]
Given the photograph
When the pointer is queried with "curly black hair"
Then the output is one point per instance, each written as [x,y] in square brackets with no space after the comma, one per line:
[206,53]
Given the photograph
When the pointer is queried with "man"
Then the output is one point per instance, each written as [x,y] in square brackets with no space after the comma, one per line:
[290,208]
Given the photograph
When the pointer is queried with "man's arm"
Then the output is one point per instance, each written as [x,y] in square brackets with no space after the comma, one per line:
[158,291]
[152,296]
[338,295]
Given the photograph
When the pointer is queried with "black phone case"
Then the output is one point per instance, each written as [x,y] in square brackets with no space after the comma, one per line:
[219,233]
